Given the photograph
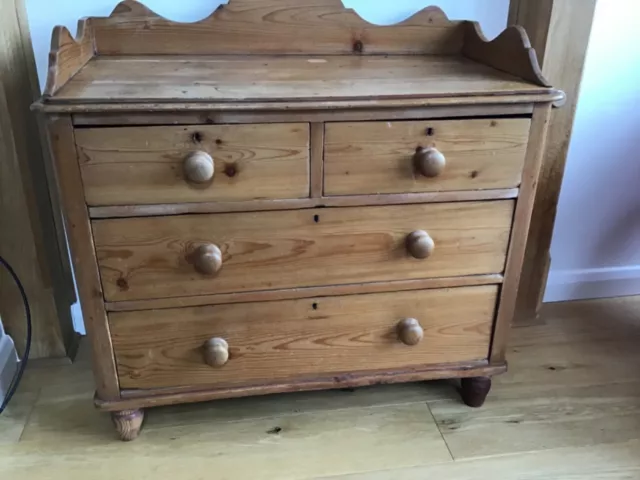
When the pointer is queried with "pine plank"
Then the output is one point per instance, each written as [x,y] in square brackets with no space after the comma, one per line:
[229,78]
[319,337]
[144,165]
[146,258]
[377,157]
[274,26]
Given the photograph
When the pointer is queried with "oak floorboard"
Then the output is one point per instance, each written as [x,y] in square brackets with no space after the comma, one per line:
[14,419]
[511,422]
[292,446]
[603,462]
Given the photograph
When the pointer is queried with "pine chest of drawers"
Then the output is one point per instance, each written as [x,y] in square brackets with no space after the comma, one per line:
[284,197]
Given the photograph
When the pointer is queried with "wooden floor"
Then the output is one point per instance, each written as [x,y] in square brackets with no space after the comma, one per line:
[568,409]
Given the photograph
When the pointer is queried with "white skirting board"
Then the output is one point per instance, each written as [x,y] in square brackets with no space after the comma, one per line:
[583,284]
[8,362]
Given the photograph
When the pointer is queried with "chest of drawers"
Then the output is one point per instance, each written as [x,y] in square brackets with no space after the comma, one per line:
[284,197]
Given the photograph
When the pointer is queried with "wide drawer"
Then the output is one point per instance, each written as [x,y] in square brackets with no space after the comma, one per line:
[274,341]
[155,165]
[381,157]
[159,257]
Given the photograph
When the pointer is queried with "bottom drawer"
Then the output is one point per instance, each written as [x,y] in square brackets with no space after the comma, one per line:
[282,340]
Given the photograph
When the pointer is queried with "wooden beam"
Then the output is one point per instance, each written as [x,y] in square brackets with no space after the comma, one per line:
[559,31]
[30,239]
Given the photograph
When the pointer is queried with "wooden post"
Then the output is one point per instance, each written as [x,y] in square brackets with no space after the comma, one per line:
[30,240]
[559,31]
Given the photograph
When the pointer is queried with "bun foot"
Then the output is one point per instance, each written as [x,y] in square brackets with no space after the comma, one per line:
[474,390]
[128,423]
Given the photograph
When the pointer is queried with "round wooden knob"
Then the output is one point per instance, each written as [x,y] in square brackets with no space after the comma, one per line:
[420,244]
[410,332]
[430,162]
[216,352]
[199,167]
[208,259]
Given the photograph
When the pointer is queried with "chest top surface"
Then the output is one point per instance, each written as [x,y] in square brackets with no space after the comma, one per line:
[289,53]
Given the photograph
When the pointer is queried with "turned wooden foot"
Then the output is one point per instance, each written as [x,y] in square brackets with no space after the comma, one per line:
[128,423]
[474,390]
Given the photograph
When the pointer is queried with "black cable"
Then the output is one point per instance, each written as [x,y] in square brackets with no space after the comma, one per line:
[23,362]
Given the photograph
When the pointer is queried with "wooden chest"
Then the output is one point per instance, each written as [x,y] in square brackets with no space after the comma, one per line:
[284,197]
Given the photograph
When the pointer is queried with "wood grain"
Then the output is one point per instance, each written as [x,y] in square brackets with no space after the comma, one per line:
[377,157]
[329,335]
[68,55]
[147,258]
[319,109]
[364,432]
[560,32]
[296,276]
[521,224]
[83,256]
[143,398]
[289,204]
[133,36]
[144,165]
[235,79]
[510,52]
[317,159]
[128,423]
[47,194]
[323,27]
[293,293]
[27,231]
[411,112]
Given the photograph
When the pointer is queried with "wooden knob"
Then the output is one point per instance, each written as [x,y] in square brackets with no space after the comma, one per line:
[430,162]
[420,244]
[199,167]
[410,332]
[208,259]
[216,352]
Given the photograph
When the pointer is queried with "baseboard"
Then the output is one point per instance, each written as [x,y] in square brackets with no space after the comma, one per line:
[583,284]
[8,362]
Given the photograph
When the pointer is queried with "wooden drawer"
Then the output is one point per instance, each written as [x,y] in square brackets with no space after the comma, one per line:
[150,165]
[159,257]
[275,341]
[379,157]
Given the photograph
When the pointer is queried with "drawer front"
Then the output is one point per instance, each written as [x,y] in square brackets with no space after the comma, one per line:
[154,165]
[267,342]
[160,257]
[382,157]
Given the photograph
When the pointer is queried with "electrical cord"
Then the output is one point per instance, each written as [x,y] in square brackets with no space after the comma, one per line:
[23,362]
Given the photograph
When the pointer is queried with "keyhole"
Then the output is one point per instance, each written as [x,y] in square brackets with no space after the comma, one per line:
[316,218]
[315,306]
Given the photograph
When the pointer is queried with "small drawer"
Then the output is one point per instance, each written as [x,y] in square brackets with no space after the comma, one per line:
[203,163]
[160,257]
[424,156]
[240,344]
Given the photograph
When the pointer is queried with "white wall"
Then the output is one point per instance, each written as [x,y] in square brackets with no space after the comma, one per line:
[596,243]
[45,14]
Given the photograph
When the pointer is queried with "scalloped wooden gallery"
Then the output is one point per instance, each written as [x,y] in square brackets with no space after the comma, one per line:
[244,195]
